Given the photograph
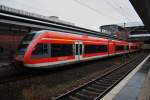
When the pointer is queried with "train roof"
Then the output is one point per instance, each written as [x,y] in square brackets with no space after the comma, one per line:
[64,35]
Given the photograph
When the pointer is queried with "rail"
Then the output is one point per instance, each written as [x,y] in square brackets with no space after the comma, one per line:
[97,88]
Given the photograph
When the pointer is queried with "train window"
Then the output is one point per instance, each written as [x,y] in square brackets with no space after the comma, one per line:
[126,47]
[95,48]
[81,52]
[22,48]
[136,47]
[132,47]
[24,43]
[119,48]
[76,53]
[40,49]
[58,50]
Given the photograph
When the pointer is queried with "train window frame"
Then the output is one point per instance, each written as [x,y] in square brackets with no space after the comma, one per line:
[25,43]
[53,54]
[43,54]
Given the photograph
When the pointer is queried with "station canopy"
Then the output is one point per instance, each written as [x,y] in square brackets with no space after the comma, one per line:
[84,13]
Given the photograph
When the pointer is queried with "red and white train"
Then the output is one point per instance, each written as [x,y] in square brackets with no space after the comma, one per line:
[47,49]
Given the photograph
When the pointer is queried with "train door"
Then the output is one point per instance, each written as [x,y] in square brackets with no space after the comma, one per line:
[79,47]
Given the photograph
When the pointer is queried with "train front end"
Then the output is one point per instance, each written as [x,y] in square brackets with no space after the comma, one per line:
[22,48]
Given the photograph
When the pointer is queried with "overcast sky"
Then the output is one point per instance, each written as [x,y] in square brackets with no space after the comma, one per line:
[85,13]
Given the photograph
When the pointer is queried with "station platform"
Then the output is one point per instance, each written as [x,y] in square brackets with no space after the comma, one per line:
[135,86]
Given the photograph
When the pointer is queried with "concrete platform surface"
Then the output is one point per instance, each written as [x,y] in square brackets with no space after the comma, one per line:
[132,89]
[145,91]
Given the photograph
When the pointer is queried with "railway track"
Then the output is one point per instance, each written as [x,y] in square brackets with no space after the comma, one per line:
[97,88]
[10,74]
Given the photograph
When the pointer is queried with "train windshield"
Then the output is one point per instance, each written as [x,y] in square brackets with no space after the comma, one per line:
[25,42]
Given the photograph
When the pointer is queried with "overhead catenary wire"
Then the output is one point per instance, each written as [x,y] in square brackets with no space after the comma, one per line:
[118,9]
[123,9]
[127,8]
[95,10]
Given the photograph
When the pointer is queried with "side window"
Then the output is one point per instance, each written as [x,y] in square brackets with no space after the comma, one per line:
[132,47]
[126,47]
[95,48]
[119,48]
[24,43]
[81,52]
[136,47]
[76,45]
[40,50]
[58,50]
